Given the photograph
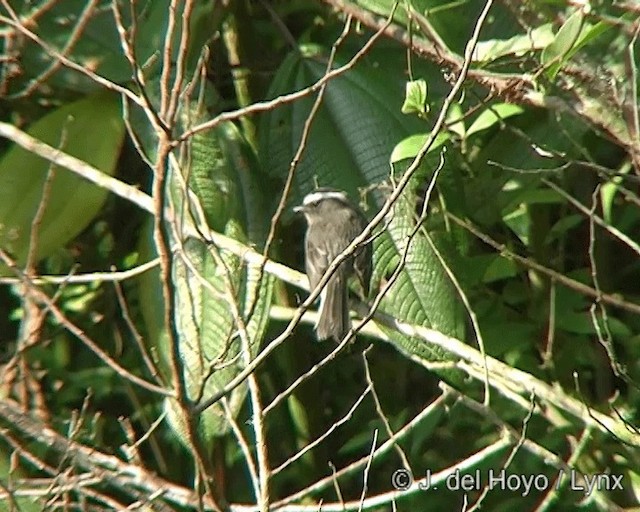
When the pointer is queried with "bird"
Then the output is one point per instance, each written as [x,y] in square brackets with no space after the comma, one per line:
[333,222]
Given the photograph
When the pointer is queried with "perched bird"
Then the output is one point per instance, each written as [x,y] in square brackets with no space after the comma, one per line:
[332,224]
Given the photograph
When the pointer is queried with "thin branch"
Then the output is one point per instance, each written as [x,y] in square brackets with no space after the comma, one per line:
[381,414]
[56,55]
[367,469]
[46,301]
[181,58]
[345,418]
[167,51]
[635,247]
[612,299]
[432,410]
[74,37]
[115,276]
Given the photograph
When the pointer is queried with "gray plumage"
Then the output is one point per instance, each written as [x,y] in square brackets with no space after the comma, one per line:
[332,224]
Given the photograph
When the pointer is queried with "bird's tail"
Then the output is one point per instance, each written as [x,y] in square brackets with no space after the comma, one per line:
[334,312]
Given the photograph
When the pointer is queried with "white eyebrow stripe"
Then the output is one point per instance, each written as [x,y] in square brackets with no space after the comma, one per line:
[317,196]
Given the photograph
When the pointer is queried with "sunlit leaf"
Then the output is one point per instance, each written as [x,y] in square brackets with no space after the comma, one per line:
[92,130]
[493,115]
[539,38]
[557,52]
[409,147]
[415,99]
[455,121]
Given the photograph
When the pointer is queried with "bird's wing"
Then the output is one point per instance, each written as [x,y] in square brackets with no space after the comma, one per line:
[317,261]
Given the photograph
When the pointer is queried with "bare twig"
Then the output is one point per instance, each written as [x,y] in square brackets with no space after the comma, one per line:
[56,55]
[345,418]
[612,299]
[74,37]
[46,301]
[596,218]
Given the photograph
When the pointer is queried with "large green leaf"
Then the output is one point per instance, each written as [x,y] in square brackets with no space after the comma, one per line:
[349,147]
[353,134]
[220,170]
[92,130]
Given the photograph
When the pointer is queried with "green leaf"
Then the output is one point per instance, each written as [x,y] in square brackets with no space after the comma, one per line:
[299,416]
[422,294]
[92,130]
[488,268]
[563,226]
[408,148]
[210,346]
[558,51]
[493,115]
[517,213]
[589,34]
[415,99]
[359,107]
[539,38]
[519,221]
[609,191]
[586,36]
[582,323]
[455,120]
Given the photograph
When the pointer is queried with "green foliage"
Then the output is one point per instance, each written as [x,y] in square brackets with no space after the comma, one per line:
[92,130]
[548,105]
[357,108]
[415,99]
[408,148]
[538,39]
[99,48]
[338,153]
[222,172]
[493,115]
[564,41]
